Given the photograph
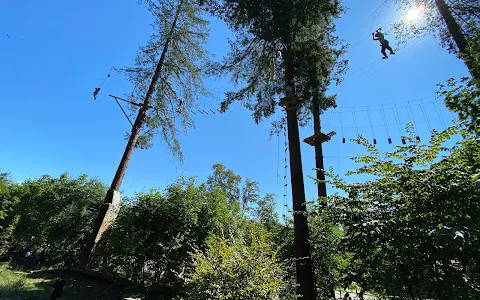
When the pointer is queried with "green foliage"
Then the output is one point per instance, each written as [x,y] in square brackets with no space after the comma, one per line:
[264,212]
[329,261]
[178,23]
[244,197]
[10,283]
[412,230]
[153,235]
[250,194]
[56,215]
[464,11]
[237,269]
[8,217]
[226,181]
[267,32]
[463,96]
[152,240]
[20,285]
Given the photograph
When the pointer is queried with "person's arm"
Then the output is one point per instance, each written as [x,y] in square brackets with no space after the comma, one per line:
[374,37]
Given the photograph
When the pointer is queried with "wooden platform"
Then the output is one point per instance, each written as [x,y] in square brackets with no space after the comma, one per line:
[322,138]
[290,101]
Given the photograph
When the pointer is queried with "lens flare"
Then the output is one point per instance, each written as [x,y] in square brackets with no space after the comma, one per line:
[413,14]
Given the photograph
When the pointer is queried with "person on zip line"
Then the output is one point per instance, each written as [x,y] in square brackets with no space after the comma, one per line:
[383,42]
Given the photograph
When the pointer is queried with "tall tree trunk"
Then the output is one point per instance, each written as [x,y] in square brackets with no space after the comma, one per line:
[132,141]
[456,32]
[304,267]
[321,187]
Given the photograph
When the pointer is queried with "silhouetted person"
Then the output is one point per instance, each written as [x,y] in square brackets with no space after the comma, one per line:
[58,288]
[383,42]
[346,296]
[361,295]
[95,93]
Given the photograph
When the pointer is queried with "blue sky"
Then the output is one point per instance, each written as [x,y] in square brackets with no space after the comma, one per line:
[59,51]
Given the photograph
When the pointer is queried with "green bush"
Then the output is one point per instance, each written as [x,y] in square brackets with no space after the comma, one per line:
[8,217]
[235,269]
[151,240]
[56,215]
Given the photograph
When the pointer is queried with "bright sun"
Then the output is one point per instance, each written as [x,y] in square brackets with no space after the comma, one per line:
[413,14]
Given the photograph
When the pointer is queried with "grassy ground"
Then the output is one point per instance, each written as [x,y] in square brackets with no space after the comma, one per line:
[19,285]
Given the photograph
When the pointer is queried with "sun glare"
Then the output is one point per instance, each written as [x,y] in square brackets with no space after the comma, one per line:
[413,14]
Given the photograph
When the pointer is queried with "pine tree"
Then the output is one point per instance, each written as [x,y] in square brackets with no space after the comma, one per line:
[279,33]
[168,76]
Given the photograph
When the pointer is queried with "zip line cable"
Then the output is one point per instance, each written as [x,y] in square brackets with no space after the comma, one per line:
[338,151]
[371,67]
[353,72]
[439,113]
[355,122]
[11,37]
[369,35]
[401,53]
[375,11]
[206,111]
[371,126]
[360,79]
[425,116]
[386,126]
[336,127]
[341,125]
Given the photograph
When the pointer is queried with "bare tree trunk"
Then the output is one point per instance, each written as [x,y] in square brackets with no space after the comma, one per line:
[132,141]
[304,268]
[321,187]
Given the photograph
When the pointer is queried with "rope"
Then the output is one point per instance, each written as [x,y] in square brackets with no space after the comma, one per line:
[341,125]
[425,116]
[338,152]
[11,37]
[385,122]
[368,35]
[439,114]
[355,122]
[375,11]
[356,79]
[371,126]
[331,117]
[285,186]
[278,154]
[410,45]
[392,103]
[124,112]
[397,119]
[410,117]
[109,75]
[370,64]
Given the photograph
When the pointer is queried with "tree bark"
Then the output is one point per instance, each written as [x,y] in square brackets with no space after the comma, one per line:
[132,141]
[321,187]
[304,267]
[457,34]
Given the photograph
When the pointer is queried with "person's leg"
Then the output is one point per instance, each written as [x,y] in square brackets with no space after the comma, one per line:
[387,44]
[383,51]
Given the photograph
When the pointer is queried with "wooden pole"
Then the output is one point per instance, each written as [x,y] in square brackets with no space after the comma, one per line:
[304,266]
